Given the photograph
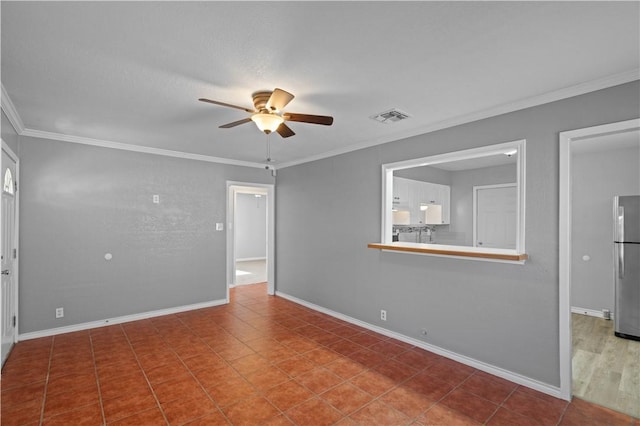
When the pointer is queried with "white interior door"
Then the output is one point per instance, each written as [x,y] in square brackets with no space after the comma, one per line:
[495,216]
[8,263]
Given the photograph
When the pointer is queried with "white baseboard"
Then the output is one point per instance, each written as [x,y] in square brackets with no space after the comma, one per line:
[479,365]
[588,312]
[119,320]
[249,259]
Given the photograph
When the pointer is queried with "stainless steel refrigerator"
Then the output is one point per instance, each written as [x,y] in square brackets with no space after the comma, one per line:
[626,249]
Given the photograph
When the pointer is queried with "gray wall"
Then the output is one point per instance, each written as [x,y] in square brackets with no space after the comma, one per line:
[596,178]
[80,202]
[425,174]
[251,227]
[501,314]
[9,134]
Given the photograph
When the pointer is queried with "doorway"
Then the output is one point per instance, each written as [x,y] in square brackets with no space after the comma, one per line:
[586,336]
[9,260]
[250,237]
[250,234]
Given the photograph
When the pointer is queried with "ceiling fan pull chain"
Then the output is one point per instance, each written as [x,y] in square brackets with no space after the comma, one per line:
[268,147]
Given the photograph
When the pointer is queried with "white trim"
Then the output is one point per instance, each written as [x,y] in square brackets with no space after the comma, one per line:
[136,148]
[482,151]
[16,235]
[588,312]
[556,95]
[233,188]
[12,154]
[250,259]
[483,366]
[10,110]
[119,320]
[13,116]
[564,239]
[452,256]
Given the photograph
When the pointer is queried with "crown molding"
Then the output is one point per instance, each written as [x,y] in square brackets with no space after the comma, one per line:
[14,118]
[567,92]
[136,148]
[11,112]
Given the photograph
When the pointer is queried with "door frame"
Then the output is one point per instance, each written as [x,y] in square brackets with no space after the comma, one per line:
[564,239]
[16,239]
[233,188]
[475,206]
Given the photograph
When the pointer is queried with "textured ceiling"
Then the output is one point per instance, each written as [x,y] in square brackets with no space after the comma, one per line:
[131,72]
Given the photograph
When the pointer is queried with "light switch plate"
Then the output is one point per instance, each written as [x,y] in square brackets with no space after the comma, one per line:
[219,226]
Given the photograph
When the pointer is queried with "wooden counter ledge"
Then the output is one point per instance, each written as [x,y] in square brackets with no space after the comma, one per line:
[495,254]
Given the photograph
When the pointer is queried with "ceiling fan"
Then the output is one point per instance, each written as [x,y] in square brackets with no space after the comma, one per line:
[268,114]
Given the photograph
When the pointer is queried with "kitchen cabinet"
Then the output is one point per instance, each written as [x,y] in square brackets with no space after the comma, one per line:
[444,199]
[409,195]
[401,193]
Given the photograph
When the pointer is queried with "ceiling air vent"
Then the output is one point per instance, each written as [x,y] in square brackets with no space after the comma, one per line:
[391,116]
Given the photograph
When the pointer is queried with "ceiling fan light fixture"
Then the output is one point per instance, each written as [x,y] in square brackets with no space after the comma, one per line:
[267,122]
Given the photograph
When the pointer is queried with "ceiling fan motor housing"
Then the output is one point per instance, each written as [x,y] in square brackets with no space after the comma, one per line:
[260,100]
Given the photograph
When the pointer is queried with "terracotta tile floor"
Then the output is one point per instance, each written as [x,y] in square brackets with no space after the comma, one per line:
[261,360]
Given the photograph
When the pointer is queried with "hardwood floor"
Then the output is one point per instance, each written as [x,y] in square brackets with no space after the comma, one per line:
[606,368]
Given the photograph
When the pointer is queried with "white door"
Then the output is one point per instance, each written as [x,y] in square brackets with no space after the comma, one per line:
[495,216]
[8,216]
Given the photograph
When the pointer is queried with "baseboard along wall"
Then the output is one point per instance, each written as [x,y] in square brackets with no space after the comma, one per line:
[119,320]
[590,312]
[479,365]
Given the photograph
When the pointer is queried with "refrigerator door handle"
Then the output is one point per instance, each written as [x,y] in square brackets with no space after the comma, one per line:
[620,222]
[620,260]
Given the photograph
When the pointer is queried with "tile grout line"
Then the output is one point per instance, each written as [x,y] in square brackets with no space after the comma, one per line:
[449,393]
[192,373]
[291,378]
[46,383]
[146,378]
[370,369]
[501,405]
[563,413]
[367,369]
[252,315]
[95,370]
[271,363]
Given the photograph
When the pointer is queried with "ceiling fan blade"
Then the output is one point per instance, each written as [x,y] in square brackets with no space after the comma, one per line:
[278,100]
[226,104]
[235,123]
[284,131]
[307,118]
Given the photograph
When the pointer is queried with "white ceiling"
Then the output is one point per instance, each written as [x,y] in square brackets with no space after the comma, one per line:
[131,72]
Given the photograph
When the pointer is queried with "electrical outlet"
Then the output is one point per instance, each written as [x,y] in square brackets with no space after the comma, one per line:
[156,199]
[59,312]
[383,315]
